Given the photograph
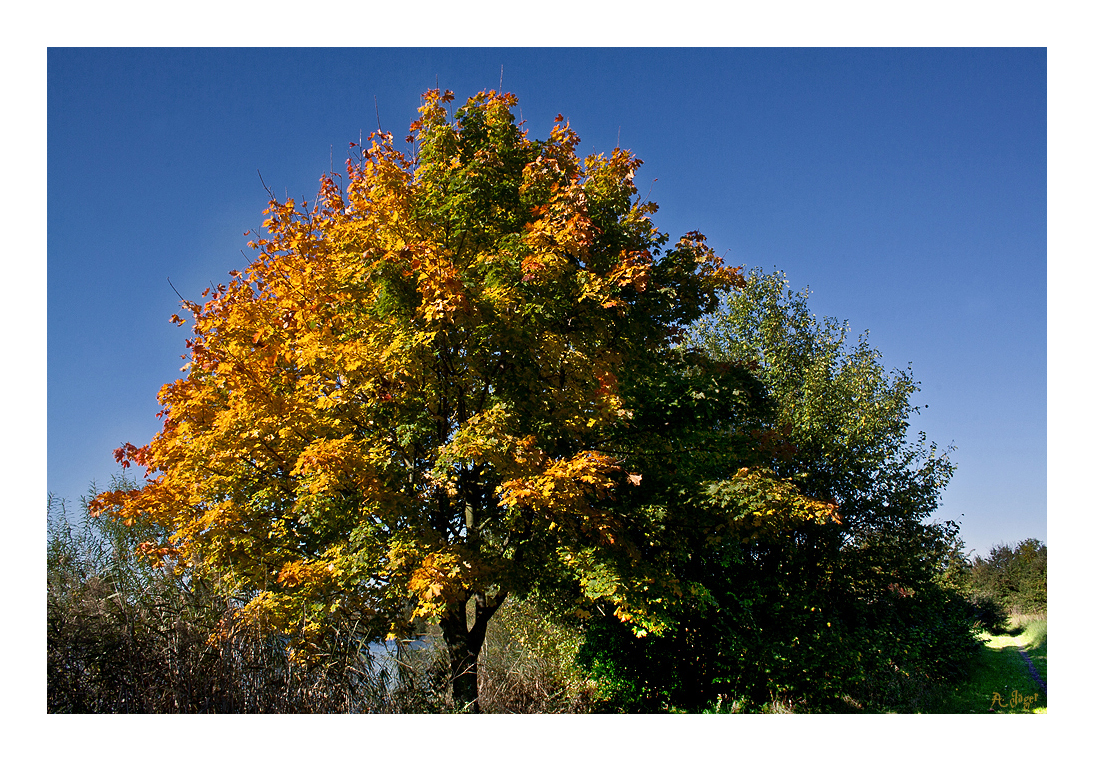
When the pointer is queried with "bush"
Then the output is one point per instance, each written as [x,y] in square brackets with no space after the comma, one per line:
[988,614]
[124,635]
[778,635]
[529,665]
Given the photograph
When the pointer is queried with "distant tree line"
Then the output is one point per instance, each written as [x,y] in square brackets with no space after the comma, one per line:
[1010,581]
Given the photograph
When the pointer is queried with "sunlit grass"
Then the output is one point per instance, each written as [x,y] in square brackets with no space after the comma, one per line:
[1000,675]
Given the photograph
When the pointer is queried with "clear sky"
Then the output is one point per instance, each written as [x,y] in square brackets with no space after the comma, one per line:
[906,188]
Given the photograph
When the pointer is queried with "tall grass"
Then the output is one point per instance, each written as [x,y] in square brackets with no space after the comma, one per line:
[126,636]
[1037,645]
[528,664]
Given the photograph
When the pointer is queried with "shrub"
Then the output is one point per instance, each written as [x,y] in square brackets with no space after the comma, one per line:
[124,635]
[988,614]
[529,662]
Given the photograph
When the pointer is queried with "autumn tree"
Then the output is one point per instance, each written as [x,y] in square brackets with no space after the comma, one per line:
[418,398]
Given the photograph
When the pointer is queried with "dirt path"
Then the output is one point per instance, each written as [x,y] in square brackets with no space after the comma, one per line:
[1033,671]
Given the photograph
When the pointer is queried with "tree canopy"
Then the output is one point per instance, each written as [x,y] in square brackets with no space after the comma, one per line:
[456,376]
[1016,578]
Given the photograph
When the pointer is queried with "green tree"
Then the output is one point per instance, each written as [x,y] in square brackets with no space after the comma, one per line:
[816,610]
[418,399]
[1016,578]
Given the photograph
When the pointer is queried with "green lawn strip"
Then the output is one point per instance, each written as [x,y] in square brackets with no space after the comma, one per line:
[1000,681]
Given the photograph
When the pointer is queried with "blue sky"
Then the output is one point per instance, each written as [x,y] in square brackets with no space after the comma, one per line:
[906,187]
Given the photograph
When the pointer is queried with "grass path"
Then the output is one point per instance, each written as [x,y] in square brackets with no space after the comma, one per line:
[1001,680]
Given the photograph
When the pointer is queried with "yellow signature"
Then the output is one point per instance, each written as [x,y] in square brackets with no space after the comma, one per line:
[1016,700]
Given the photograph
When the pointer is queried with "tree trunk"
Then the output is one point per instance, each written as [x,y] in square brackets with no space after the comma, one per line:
[464,643]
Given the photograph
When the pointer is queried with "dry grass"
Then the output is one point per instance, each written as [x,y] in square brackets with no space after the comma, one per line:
[124,637]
